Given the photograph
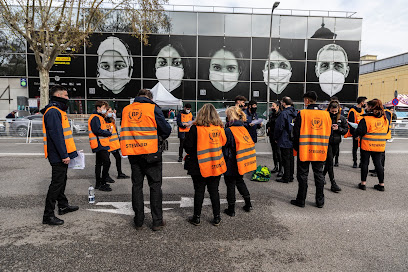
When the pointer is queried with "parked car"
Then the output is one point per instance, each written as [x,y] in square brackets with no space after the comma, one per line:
[19,126]
[2,129]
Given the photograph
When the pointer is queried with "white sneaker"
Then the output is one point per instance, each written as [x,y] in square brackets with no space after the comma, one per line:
[390,140]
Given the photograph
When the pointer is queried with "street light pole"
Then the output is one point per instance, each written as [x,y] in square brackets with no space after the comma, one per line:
[268,96]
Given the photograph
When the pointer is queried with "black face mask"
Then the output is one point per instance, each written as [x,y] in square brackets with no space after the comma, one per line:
[61,100]
[253,110]
[241,106]
[364,106]
[274,110]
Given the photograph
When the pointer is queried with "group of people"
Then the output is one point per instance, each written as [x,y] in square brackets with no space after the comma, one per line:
[312,135]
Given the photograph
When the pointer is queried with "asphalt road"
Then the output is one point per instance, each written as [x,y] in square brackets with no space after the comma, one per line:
[355,231]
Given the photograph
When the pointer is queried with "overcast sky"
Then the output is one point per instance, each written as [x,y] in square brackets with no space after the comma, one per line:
[385,22]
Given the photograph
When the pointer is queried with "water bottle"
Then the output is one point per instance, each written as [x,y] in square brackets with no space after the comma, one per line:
[91,195]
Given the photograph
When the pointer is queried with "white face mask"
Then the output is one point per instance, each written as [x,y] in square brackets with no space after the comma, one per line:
[223,82]
[170,77]
[331,82]
[113,81]
[187,111]
[278,79]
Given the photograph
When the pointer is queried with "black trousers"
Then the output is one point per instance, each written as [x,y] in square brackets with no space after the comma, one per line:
[212,184]
[276,153]
[337,154]
[288,162]
[181,147]
[102,163]
[153,172]
[378,158]
[232,182]
[118,159]
[355,147]
[328,167]
[56,190]
[302,175]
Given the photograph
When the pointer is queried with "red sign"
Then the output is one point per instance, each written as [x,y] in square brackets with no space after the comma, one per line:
[395,101]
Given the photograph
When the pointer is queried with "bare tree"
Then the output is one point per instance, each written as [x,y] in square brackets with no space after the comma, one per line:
[52,27]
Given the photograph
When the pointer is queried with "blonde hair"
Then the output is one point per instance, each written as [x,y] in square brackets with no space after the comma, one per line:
[207,116]
[235,114]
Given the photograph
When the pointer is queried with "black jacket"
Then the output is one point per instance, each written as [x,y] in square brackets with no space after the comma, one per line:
[55,135]
[252,129]
[181,135]
[361,130]
[190,146]
[298,123]
[230,151]
[270,126]
[335,137]
[352,119]
[99,132]
[283,127]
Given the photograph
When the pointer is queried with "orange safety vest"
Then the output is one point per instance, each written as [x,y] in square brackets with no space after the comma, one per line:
[93,139]
[114,143]
[184,119]
[358,116]
[210,141]
[390,124]
[315,133]
[69,140]
[377,134]
[246,154]
[139,130]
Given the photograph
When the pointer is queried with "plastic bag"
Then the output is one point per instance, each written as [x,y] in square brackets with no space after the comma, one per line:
[261,174]
[78,163]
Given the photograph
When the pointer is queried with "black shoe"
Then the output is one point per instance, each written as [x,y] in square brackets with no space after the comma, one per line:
[379,187]
[275,169]
[53,221]
[336,164]
[195,220]
[372,171]
[105,188]
[319,205]
[324,180]
[282,180]
[335,188]
[296,203]
[123,176]
[180,159]
[354,165]
[359,166]
[159,227]
[291,180]
[361,187]
[216,221]
[138,226]
[109,180]
[67,209]
[280,174]
[373,174]
[230,211]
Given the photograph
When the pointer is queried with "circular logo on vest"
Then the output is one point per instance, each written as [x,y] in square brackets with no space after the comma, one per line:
[135,116]
[378,124]
[317,123]
[214,135]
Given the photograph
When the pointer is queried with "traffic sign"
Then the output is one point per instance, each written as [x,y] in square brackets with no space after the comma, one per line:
[395,101]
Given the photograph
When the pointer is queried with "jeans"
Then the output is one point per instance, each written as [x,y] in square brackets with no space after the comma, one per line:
[355,147]
[378,158]
[328,167]
[102,162]
[231,182]
[118,159]
[56,189]
[153,172]
[288,162]
[302,174]
[212,184]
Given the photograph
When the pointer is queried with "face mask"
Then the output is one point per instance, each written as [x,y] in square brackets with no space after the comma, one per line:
[273,110]
[187,111]
[331,82]
[60,99]
[253,110]
[110,114]
[364,106]
[103,111]
[223,82]
[170,77]
[113,81]
[241,106]
[278,79]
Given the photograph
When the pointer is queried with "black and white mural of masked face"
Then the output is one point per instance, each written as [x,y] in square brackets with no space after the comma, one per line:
[332,68]
[280,72]
[115,65]
[224,70]
[169,68]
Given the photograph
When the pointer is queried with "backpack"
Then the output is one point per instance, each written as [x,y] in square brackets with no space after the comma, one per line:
[261,174]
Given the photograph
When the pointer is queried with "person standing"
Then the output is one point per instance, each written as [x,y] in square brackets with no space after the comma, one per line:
[240,103]
[114,145]
[143,127]
[205,161]
[354,116]
[311,134]
[373,131]
[240,157]
[339,128]
[270,129]
[99,133]
[336,156]
[252,116]
[282,136]
[183,118]
[59,148]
